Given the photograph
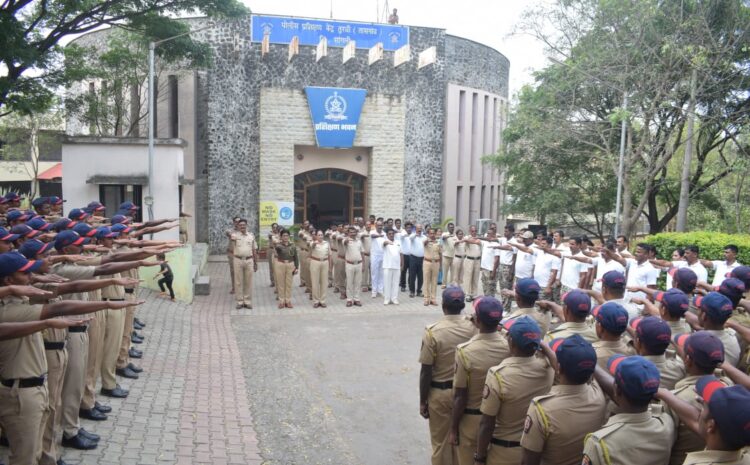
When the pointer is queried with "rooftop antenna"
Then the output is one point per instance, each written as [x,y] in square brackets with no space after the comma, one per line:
[386,12]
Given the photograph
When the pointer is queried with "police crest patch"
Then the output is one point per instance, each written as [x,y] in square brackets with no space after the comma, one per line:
[527,424]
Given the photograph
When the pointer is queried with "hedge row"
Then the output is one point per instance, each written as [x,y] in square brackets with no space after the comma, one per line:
[711,244]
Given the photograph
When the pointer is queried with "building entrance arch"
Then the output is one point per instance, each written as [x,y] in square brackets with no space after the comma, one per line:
[328,196]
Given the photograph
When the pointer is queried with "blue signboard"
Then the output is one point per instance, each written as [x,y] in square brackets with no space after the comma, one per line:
[335,114]
[280,30]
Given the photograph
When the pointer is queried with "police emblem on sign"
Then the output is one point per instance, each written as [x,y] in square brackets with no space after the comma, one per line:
[335,106]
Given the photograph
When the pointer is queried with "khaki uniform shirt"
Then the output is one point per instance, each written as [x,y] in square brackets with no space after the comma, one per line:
[671,370]
[320,250]
[432,251]
[439,344]
[557,423]
[585,330]
[244,244]
[687,440]
[131,273]
[459,248]
[21,357]
[353,251]
[731,346]
[631,439]
[541,318]
[366,239]
[508,389]
[473,250]
[74,272]
[606,349]
[473,359]
[679,327]
[449,245]
[230,244]
[113,292]
[723,457]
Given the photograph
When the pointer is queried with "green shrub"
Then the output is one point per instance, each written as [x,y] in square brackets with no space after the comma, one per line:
[711,244]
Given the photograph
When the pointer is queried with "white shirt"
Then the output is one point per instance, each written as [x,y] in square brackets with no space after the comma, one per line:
[417,244]
[506,256]
[391,254]
[722,268]
[488,256]
[524,264]
[376,246]
[640,275]
[545,263]
[602,267]
[403,237]
[570,275]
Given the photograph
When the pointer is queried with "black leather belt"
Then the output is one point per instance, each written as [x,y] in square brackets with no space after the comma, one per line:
[129,291]
[459,256]
[114,300]
[25,382]
[54,345]
[472,411]
[243,258]
[473,258]
[442,384]
[504,443]
[78,329]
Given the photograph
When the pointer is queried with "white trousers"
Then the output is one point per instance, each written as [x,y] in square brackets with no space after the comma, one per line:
[376,273]
[390,286]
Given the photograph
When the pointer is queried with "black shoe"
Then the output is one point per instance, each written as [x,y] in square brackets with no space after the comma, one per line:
[411,294]
[136,340]
[79,442]
[139,321]
[419,294]
[137,326]
[135,334]
[86,434]
[135,368]
[102,408]
[403,289]
[118,392]
[4,441]
[135,353]
[93,414]
[127,373]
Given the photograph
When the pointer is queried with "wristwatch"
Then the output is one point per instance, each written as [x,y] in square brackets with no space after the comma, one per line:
[479,459]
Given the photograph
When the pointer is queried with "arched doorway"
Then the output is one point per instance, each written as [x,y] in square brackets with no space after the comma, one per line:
[327,196]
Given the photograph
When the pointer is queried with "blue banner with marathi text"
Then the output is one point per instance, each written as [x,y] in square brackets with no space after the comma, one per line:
[335,114]
[281,29]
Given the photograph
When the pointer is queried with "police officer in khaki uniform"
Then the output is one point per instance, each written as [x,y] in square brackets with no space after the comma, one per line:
[557,423]
[287,265]
[354,258]
[304,252]
[611,323]
[449,251]
[273,239]
[576,308]
[472,264]
[459,255]
[230,250]
[245,264]
[637,435]
[721,422]
[473,359]
[715,310]
[508,389]
[320,262]
[651,338]
[525,295]
[339,261]
[431,267]
[437,356]
[364,235]
[702,353]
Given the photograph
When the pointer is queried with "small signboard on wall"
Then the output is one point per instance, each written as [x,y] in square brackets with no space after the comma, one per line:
[281,213]
[335,114]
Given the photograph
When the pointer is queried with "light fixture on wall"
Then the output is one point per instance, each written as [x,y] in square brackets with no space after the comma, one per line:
[300,156]
[358,158]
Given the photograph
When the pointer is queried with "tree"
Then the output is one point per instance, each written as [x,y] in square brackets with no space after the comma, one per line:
[31,30]
[646,50]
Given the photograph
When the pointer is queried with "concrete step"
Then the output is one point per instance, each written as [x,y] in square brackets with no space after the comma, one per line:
[202,285]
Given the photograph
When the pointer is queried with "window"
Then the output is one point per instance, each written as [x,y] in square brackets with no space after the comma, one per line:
[112,195]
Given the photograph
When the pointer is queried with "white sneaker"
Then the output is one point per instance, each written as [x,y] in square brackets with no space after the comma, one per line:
[374,294]
[385,302]
[395,302]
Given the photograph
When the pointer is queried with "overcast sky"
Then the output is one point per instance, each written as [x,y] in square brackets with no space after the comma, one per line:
[487,21]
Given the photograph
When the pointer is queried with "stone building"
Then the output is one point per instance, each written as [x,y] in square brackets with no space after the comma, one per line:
[251,137]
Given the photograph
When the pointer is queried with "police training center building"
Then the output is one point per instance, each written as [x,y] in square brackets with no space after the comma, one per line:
[324,120]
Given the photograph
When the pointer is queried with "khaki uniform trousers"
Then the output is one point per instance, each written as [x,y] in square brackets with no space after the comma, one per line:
[113,325]
[366,275]
[308,273]
[339,273]
[457,272]
[319,280]
[467,438]
[75,378]
[271,258]
[430,270]
[440,406]
[499,455]
[57,362]
[127,329]
[353,281]
[23,413]
[284,279]
[243,280]
[471,277]
[447,270]
[230,261]
[94,362]
[304,262]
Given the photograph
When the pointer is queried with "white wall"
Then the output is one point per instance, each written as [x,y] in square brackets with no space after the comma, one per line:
[84,158]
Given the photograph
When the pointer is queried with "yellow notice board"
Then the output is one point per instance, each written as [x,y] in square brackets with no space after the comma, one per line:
[281,213]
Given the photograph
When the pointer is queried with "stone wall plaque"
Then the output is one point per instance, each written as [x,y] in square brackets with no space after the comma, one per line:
[401,56]
[375,54]
[350,50]
[322,49]
[293,47]
[427,57]
[265,46]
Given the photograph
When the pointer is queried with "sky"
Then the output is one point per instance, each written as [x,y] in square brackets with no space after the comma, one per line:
[490,22]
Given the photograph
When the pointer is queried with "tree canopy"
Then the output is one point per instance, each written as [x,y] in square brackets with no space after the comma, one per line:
[33,62]
[563,137]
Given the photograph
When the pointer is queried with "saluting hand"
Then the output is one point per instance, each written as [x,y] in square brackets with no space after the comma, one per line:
[28,291]
[67,322]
